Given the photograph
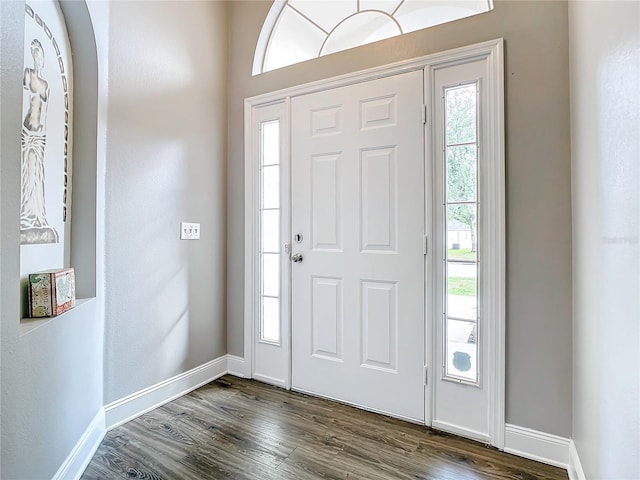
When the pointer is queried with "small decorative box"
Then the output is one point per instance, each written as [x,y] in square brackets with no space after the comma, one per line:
[52,292]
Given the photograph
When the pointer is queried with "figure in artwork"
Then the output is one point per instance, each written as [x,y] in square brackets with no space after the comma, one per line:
[34,227]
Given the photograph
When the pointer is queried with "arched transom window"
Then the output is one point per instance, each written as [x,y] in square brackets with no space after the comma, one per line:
[299,30]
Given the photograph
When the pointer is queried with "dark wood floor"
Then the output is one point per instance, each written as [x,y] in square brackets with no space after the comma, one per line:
[242,429]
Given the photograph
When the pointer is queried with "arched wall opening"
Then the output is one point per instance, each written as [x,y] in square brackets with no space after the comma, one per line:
[85,146]
[80,120]
[52,381]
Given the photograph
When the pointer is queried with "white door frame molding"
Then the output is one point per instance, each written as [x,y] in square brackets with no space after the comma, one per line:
[266,362]
[490,51]
[491,182]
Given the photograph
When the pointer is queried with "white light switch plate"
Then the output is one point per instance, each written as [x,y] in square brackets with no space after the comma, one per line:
[189,231]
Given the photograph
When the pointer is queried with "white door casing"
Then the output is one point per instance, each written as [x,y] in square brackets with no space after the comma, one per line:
[357,200]
[493,264]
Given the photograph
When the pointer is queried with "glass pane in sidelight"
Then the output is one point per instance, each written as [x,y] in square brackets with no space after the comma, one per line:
[271,186]
[461,173]
[270,142]
[270,321]
[462,228]
[460,114]
[462,290]
[461,350]
[271,274]
[270,231]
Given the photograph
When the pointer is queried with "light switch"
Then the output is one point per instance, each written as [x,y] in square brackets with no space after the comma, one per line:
[189,231]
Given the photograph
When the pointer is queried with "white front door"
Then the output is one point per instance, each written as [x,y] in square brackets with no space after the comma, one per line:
[357,221]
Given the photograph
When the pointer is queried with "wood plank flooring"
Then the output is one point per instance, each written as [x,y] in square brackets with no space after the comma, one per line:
[242,429]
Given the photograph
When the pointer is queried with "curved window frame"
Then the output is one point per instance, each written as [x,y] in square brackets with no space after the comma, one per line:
[272,25]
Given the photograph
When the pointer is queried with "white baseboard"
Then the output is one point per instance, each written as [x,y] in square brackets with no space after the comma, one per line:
[538,446]
[575,467]
[237,366]
[74,465]
[134,405]
[524,442]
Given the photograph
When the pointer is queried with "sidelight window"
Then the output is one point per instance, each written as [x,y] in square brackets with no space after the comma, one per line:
[460,213]
[270,231]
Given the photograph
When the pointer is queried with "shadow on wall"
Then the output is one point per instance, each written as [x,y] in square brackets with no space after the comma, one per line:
[166,164]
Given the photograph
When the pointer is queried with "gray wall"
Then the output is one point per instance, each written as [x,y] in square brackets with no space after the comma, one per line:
[52,385]
[605,107]
[538,181]
[166,163]
[160,160]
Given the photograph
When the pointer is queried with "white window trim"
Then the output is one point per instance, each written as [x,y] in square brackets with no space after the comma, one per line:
[277,8]
[440,158]
[265,35]
[495,256]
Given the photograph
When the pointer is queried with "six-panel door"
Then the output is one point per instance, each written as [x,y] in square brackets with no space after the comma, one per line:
[357,202]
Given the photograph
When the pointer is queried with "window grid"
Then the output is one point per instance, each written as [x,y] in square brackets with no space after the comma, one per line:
[296,31]
[270,232]
[461,321]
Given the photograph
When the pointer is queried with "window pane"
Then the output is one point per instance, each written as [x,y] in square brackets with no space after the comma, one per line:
[271,274]
[271,187]
[461,173]
[271,231]
[326,13]
[270,142]
[388,6]
[461,232]
[304,25]
[460,114]
[462,290]
[416,14]
[462,350]
[294,39]
[366,27]
[270,327]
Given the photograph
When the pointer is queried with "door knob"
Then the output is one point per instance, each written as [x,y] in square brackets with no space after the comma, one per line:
[297,257]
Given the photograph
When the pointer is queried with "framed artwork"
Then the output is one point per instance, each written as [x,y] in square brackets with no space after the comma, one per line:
[46,128]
